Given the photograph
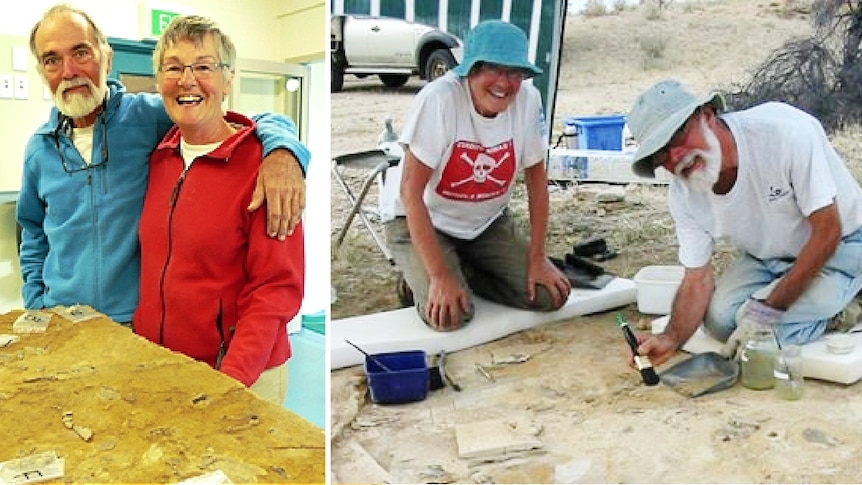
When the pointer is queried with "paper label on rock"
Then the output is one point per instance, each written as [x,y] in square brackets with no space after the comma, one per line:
[32,322]
[6,340]
[41,467]
[78,313]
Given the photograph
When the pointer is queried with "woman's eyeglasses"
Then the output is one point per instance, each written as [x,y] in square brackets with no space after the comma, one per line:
[200,70]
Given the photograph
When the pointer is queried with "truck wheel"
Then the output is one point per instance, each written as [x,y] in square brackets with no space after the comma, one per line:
[337,81]
[394,80]
[438,63]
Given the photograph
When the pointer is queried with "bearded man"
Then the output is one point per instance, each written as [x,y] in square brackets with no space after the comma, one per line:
[85,173]
[768,181]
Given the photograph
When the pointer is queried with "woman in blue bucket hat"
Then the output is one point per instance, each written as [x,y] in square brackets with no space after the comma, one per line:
[467,136]
[767,181]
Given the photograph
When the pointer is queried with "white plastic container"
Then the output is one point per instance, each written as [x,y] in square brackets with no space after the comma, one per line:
[656,287]
[840,343]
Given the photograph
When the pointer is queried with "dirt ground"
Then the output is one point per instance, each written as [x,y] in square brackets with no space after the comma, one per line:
[594,419]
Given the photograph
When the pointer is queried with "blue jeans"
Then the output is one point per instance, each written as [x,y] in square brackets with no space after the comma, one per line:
[831,290]
[493,265]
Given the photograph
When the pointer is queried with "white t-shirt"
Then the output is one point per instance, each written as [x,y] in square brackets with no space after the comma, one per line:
[787,170]
[190,152]
[83,140]
[475,159]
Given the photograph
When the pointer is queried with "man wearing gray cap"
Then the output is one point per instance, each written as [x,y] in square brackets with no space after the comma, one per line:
[768,181]
[449,228]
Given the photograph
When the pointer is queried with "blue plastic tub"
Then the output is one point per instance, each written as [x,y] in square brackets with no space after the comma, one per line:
[599,132]
[407,382]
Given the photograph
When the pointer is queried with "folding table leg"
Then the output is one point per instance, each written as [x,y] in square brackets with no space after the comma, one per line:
[356,209]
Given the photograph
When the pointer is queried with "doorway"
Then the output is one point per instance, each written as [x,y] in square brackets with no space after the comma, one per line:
[262,86]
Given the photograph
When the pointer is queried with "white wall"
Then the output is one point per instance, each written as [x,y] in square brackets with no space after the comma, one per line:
[303,24]
[317,212]
[18,117]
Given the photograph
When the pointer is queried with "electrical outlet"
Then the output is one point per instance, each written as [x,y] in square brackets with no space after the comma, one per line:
[21,87]
[6,89]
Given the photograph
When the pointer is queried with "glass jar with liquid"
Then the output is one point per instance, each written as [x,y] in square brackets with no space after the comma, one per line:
[757,360]
[788,373]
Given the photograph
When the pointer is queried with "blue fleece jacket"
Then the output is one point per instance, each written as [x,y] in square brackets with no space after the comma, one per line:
[80,226]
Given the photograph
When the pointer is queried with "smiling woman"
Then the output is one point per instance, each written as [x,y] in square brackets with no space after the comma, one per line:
[194,72]
[226,300]
[462,238]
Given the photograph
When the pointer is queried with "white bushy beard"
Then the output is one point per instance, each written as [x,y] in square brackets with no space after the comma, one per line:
[702,180]
[78,105]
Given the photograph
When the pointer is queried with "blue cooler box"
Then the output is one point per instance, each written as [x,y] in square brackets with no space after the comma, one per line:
[406,381]
[599,132]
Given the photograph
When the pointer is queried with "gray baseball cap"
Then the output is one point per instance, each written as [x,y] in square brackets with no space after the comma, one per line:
[657,114]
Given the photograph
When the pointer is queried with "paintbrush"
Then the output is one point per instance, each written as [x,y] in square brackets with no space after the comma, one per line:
[648,374]
[373,359]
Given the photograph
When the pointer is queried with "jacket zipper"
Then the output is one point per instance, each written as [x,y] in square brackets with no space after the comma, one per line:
[175,193]
[222,346]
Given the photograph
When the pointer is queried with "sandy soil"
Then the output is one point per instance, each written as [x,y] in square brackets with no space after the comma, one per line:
[596,422]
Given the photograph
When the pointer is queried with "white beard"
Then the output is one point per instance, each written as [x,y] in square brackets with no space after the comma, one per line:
[702,180]
[78,105]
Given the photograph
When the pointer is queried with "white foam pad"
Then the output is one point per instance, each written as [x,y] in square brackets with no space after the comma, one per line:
[402,329]
[817,361]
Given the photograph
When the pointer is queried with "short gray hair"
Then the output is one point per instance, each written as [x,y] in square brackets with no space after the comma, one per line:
[66,9]
[194,28]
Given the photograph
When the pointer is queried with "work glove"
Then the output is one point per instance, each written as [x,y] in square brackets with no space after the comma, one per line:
[754,315]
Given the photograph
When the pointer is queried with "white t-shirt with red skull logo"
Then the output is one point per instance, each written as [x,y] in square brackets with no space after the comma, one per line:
[475,159]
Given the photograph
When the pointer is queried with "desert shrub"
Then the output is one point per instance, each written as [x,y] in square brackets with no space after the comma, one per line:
[595,8]
[654,9]
[692,6]
[653,46]
[821,74]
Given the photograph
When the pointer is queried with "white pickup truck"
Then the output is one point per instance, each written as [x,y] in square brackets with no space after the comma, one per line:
[391,48]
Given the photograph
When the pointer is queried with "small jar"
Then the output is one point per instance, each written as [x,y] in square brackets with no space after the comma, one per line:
[570,134]
[788,373]
[757,360]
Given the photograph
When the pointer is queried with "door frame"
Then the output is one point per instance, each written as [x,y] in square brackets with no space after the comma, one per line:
[297,71]
[131,57]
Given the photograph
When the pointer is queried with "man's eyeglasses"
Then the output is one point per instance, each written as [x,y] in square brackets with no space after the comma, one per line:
[52,63]
[511,73]
[65,127]
[200,70]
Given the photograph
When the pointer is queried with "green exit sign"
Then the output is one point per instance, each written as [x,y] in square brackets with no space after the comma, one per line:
[159,20]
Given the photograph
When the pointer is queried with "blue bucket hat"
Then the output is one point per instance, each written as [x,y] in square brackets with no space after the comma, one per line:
[496,42]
